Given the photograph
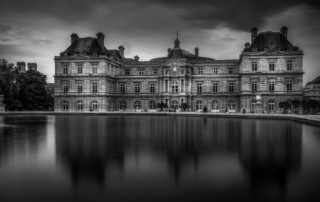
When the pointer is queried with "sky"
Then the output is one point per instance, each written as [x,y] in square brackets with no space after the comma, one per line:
[38,30]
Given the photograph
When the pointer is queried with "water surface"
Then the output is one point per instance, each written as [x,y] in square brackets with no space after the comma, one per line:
[157,158]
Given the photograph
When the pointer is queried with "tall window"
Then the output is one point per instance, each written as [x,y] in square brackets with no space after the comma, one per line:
[289,85]
[175,87]
[137,87]
[200,70]
[122,88]
[79,105]
[141,71]
[137,105]
[289,65]
[94,68]
[123,105]
[94,87]
[215,87]
[155,71]
[65,69]
[65,105]
[254,86]
[152,104]
[198,105]
[127,72]
[271,86]
[215,70]
[231,104]
[215,104]
[182,85]
[175,104]
[65,87]
[231,87]
[271,66]
[253,104]
[79,68]
[199,87]
[254,66]
[166,86]
[152,88]
[231,70]
[79,87]
[272,105]
[94,105]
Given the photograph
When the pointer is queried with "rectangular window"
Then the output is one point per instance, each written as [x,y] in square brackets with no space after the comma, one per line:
[127,72]
[253,86]
[137,87]
[94,68]
[79,88]
[79,68]
[155,71]
[65,69]
[65,87]
[231,87]
[215,87]
[289,85]
[182,85]
[141,71]
[289,65]
[152,88]
[122,88]
[94,87]
[231,70]
[199,87]
[254,66]
[200,70]
[271,87]
[215,70]
[271,66]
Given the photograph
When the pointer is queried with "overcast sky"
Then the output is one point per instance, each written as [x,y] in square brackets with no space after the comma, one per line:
[37,30]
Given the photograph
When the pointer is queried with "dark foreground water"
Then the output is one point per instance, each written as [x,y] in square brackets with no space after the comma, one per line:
[149,158]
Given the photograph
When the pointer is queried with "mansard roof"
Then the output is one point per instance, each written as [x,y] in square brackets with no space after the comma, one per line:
[314,81]
[86,46]
[272,41]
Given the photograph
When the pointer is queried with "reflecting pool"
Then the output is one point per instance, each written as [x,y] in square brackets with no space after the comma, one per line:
[157,158]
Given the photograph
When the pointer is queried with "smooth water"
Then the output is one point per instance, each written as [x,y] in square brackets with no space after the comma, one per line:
[157,158]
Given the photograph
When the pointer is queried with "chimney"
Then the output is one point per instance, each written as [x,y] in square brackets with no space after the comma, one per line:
[32,66]
[196,51]
[247,45]
[21,66]
[100,37]
[284,31]
[74,37]
[254,33]
[136,58]
[121,51]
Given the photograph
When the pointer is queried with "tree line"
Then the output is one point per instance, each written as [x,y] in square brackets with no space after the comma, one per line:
[24,90]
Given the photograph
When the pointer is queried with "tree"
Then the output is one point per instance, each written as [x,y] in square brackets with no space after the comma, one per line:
[184,106]
[33,91]
[162,105]
[310,104]
[284,105]
[8,85]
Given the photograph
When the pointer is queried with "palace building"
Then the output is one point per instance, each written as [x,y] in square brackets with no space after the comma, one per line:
[91,77]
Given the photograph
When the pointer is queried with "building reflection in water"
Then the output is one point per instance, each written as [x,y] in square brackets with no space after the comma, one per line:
[93,146]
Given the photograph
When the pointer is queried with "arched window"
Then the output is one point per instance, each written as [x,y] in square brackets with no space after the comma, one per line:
[199,105]
[123,105]
[253,104]
[175,104]
[137,105]
[94,105]
[79,105]
[272,105]
[231,104]
[65,105]
[152,104]
[215,104]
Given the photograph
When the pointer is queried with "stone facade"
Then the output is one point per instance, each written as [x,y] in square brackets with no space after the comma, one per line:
[89,77]
[312,89]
